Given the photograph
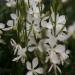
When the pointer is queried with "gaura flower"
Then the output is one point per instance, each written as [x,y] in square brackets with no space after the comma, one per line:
[21,52]
[34,11]
[33,70]
[60,22]
[56,52]
[11,23]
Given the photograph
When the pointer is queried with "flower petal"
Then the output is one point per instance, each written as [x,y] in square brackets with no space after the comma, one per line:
[7,29]
[60,48]
[35,62]
[29,73]
[61,19]
[10,23]
[28,64]
[39,70]
[52,41]
[13,16]
[16,59]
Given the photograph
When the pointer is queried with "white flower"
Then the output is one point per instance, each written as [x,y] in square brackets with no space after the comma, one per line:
[56,52]
[11,23]
[32,3]
[21,52]
[60,22]
[57,55]
[11,3]
[32,68]
[35,11]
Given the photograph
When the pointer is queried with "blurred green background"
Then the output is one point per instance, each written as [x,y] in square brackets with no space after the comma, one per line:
[7,67]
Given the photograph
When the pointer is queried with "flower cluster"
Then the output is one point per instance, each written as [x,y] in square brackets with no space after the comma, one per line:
[41,32]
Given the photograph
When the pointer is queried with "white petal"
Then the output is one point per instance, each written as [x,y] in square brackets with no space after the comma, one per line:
[46,47]
[8,4]
[35,62]
[7,29]
[64,56]
[32,41]
[28,64]
[61,19]
[67,51]
[52,41]
[23,60]
[47,58]
[30,11]
[45,18]
[13,16]
[60,48]
[49,25]
[29,73]
[16,59]
[40,46]
[2,25]
[39,70]
[48,33]
[58,28]
[10,23]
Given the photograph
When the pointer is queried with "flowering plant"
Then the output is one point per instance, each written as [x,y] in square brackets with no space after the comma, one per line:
[40,37]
